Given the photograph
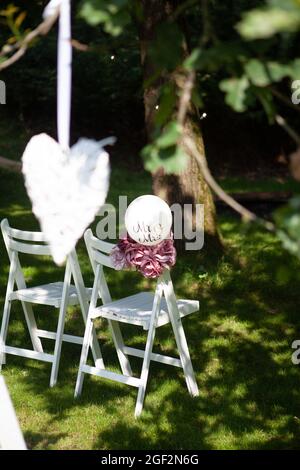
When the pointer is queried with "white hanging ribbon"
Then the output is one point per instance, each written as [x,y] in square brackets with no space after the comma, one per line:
[64,69]
[64,78]
[67,186]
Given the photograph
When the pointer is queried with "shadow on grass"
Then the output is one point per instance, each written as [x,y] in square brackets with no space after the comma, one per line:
[42,439]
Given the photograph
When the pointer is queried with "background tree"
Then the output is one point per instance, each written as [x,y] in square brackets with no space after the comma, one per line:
[163,48]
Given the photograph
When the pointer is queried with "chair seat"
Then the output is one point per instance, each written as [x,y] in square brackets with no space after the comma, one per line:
[48,294]
[136,309]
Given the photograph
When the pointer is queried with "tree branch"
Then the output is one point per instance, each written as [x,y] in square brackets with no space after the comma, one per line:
[281,97]
[21,46]
[10,165]
[185,97]
[189,144]
[18,51]
[247,215]
[292,133]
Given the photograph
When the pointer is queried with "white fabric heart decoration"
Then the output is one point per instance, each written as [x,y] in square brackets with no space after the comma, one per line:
[66,189]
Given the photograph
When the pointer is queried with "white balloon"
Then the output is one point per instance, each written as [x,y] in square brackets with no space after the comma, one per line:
[148,220]
[66,189]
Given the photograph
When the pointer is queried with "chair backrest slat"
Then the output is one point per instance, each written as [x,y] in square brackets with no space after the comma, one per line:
[100,258]
[104,247]
[29,248]
[98,250]
[26,235]
[12,237]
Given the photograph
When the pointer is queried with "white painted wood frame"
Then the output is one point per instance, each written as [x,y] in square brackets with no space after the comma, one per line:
[57,294]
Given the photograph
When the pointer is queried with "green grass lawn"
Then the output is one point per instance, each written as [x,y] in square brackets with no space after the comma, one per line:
[240,342]
[238,184]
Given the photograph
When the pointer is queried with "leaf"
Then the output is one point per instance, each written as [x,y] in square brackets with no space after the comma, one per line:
[217,56]
[20,18]
[278,71]
[295,69]
[12,40]
[167,103]
[116,24]
[192,61]
[263,23]
[172,159]
[112,14]
[262,74]
[197,99]
[235,89]
[257,72]
[10,11]
[93,14]
[266,98]
[170,135]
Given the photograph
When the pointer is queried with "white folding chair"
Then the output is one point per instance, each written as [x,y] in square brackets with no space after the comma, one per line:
[144,309]
[55,294]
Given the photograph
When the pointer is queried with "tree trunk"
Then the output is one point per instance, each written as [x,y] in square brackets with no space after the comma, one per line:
[188,187]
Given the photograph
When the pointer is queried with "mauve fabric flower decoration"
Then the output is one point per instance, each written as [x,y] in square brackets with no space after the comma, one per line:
[150,261]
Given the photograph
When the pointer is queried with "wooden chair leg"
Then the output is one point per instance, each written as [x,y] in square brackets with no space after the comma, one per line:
[180,336]
[28,311]
[148,350]
[31,325]
[84,355]
[119,345]
[4,329]
[84,304]
[185,358]
[7,307]
[114,326]
[60,326]
[145,372]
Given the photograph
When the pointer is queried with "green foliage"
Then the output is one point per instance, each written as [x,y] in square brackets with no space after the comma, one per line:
[107,82]
[113,15]
[165,151]
[265,73]
[258,75]
[193,61]
[167,102]
[14,18]
[170,135]
[218,56]
[276,17]
[264,95]
[288,223]
[235,89]
[229,68]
